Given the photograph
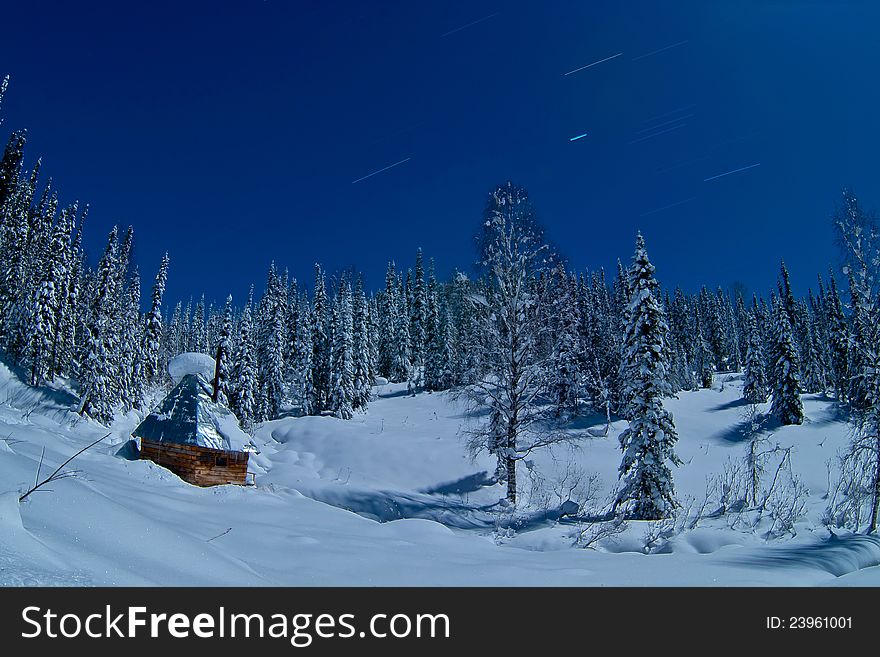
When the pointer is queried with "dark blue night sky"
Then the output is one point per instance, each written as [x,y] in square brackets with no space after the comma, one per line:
[229,133]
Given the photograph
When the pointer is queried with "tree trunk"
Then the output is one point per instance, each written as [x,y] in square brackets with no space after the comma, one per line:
[510,463]
[753,464]
[215,394]
[84,405]
[509,460]
[875,502]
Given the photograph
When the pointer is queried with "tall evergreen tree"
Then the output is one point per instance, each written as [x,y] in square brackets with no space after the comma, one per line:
[360,349]
[401,364]
[98,368]
[134,368]
[223,356]
[647,490]
[565,377]
[320,360]
[433,345]
[11,165]
[342,391]
[755,378]
[787,406]
[42,328]
[270,347]
[418,319]
[244,373]
[292,358]
[305,391]
[198,340]
[153,333]
[703,356]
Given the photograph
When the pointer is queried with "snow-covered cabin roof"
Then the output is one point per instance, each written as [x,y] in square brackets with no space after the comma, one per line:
[189,416]
[191,363]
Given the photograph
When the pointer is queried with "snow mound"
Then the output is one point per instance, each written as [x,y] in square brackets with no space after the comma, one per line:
[10,516]
[191,363]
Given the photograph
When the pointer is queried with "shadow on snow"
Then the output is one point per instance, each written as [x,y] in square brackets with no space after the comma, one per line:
[837,555]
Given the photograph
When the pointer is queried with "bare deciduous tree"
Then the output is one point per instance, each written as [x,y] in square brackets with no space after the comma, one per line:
[516,340]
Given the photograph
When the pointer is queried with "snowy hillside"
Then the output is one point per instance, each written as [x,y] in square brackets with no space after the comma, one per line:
[323,483]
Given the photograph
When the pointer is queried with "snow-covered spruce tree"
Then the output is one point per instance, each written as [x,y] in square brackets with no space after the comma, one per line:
[820,314]
[440,358]
[61,257]
[787,406]
[291,356]
[42,328]
[703,357]
[511,320]
[734,355]
[755,378]
[198,340]
[213,320]
[304,390]
[587,328]
[360,348]
[11,164]
[681,335]
[813,375]
[243,381]
[564,381]
[373,336]
[401,365]
[862,317]
[320,360]
[70,318]
[40,323]
[603,382]
[223,356]
[716,333]
[739,328]
[433,349]
[270,348]
[796,312]
[124,327]
[387,321]
[446,347]
[817,322]
[713,325]
[99,365]
[131,331]
[155,366]
[418,319]
[16,286]
[674,352]
[619,306]
[647,491]
[341,365]
[466,366]
[185,335]
[764,324]
[171,345]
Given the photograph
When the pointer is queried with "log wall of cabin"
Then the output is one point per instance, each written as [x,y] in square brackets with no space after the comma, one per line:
[197,465]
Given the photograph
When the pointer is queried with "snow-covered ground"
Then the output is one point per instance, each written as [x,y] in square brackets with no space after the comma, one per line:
[391,498]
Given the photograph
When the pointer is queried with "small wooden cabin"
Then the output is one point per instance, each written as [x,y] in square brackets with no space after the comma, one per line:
[195,437]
